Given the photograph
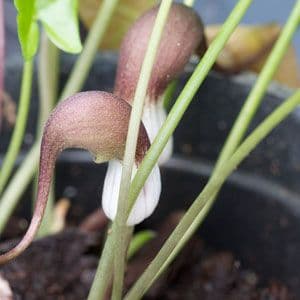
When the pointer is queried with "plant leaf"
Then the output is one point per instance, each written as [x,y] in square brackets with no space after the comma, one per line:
[125,14]
[28,31]
[138,241]
[60,20]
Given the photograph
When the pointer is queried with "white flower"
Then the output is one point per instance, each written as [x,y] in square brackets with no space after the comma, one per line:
[146,201]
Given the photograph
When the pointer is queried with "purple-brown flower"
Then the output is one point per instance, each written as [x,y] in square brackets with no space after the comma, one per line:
[182,34]
[97,122]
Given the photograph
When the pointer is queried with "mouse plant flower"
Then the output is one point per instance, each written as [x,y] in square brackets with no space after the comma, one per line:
[182,35]
[97,122]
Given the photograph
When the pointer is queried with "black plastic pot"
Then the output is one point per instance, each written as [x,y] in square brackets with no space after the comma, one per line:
[257,215]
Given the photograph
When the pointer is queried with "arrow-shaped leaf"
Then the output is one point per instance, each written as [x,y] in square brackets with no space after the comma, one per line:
[60,20]
[27,27]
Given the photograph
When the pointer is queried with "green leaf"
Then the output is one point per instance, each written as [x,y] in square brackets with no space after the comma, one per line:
[60,20]
[138,241]
[28,31]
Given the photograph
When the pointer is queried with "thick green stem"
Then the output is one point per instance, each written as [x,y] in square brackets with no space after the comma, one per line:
[119,225]
[47,79]
[19,130]
[83,63]
[187,227]
[27,171]
[185,99]
[103,276]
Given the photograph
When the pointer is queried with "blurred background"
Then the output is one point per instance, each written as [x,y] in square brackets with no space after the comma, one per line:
[261,11]
[211,11]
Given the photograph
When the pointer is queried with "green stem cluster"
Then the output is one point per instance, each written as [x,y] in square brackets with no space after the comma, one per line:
[205,200]
[245,116]
[186,97]
[187,226]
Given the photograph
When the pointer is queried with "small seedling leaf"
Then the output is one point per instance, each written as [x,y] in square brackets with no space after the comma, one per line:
[28,31]
[60,20]
[138,241]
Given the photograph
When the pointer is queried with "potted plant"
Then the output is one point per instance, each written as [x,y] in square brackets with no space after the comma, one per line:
[189,222]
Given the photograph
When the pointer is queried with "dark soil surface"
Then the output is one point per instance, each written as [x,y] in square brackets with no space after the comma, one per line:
[62,266]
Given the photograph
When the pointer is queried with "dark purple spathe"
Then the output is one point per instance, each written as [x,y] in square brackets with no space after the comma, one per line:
[95,121]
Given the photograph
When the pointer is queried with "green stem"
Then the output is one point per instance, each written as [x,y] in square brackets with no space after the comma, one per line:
[185,99]
[119,225]
[27,171]
[19,130]
[48,68]
[85,60]
[169,93]
[47,80]
[103,276]
[186,227]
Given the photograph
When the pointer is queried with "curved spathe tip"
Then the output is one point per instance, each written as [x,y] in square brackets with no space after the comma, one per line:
[146,201]
[95,121]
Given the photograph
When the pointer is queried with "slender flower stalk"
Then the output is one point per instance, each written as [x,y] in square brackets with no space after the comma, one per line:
[182,35]
[19,130]
[97,122]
